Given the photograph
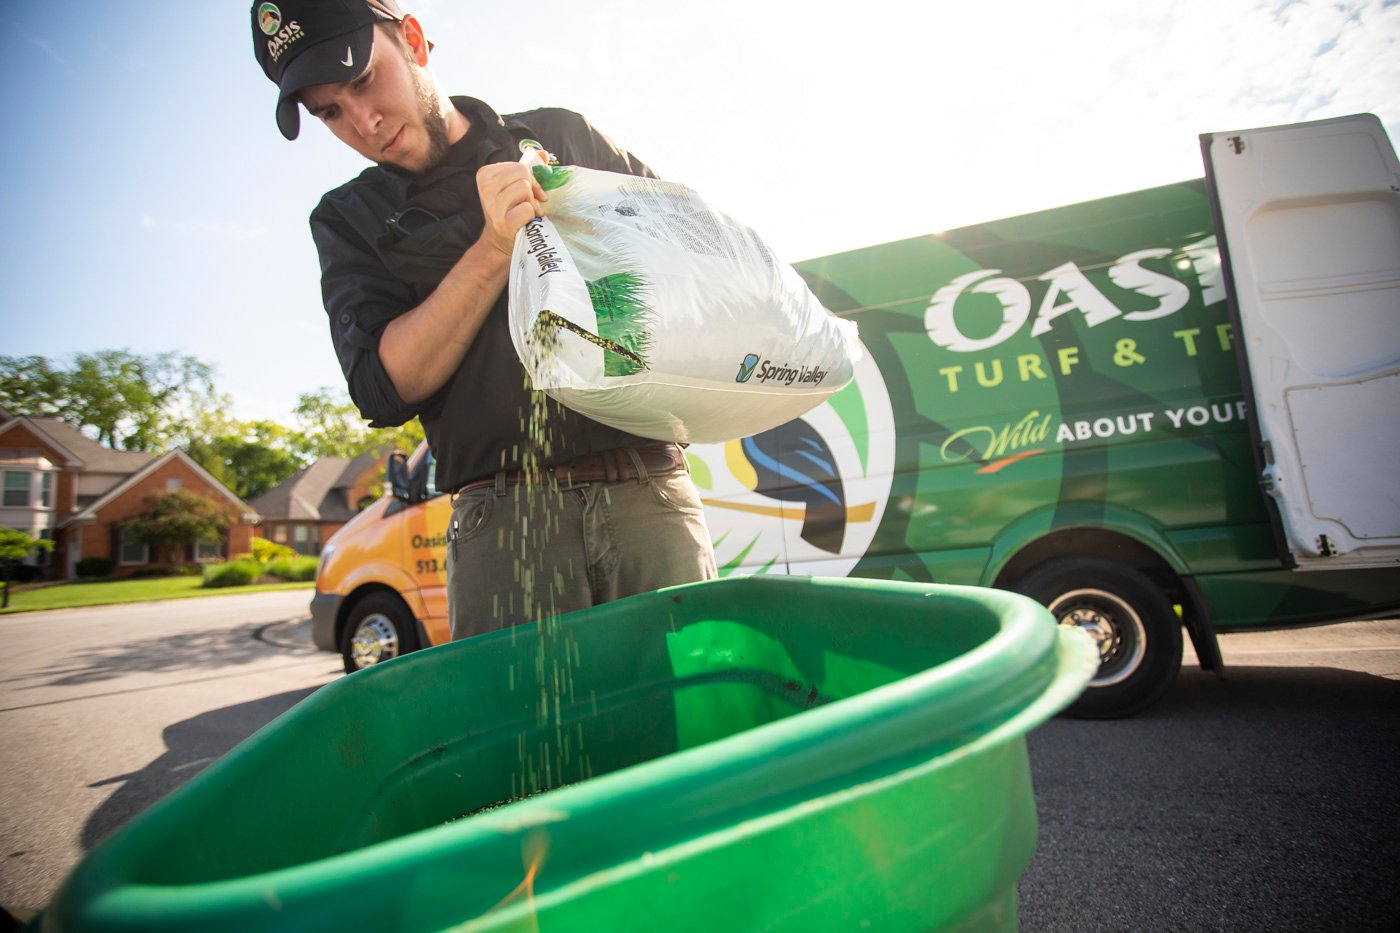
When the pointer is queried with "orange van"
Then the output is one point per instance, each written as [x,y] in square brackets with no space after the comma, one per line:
[381,587]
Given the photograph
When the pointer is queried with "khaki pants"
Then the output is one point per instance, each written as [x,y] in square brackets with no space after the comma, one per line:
[520,553]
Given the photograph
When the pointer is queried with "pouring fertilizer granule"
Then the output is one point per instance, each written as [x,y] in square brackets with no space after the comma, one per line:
[637,304]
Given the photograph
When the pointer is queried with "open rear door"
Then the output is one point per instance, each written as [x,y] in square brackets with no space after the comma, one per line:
[1308,220]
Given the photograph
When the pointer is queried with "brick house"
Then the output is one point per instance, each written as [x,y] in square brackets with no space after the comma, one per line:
[62,485]
[304,510]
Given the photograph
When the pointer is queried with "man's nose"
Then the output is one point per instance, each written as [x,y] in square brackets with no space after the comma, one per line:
[364,116]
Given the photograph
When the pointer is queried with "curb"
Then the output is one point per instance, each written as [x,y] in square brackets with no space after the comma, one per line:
[292,633]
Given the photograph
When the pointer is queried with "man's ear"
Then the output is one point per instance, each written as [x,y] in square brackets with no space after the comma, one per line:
[413,37]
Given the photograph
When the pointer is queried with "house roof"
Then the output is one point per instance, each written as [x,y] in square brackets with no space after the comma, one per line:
[70,446]
[317,493]
[95,457]
[88,513]
[358,466]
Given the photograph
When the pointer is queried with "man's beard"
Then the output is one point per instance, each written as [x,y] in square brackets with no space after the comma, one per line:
[434,121]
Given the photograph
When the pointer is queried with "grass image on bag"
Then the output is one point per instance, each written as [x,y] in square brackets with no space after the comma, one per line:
[635,303]
[624,321]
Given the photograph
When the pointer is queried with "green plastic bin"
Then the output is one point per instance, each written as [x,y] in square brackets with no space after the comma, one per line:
[764,753]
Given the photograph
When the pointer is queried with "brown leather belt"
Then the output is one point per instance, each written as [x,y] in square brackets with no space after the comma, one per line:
[605,466]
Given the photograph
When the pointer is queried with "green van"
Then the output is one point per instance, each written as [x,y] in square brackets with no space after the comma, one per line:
[1171,408]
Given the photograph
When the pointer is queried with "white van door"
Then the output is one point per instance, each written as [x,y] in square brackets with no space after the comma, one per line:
[1308,218]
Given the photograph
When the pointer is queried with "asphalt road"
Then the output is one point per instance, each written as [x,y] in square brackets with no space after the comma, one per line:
[1269,800]
[1266,801]
[105,710]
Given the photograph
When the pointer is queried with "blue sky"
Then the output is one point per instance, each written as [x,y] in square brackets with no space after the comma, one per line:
[152,204]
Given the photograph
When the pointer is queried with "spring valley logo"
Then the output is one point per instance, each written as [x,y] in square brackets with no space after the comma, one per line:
[807,496]
[747,367]
[780,373]
[269,18]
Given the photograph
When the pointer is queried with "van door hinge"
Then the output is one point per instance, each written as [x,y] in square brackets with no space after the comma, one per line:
[1325,547]
[1237,144]
[1271,482]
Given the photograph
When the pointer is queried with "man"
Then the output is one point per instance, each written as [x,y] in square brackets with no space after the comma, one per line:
[551,511]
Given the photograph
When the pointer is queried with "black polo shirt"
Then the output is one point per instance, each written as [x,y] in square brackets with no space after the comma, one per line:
[387,238]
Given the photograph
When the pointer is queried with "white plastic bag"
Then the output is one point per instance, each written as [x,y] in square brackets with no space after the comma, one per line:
[636,304]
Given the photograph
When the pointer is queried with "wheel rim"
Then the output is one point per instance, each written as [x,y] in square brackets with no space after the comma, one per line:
[1114,626]
[376,639]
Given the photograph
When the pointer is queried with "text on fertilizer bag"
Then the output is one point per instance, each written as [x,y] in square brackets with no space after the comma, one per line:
[547,256]
[767,372]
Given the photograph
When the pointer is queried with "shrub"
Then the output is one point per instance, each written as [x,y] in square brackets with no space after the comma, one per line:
[160,571]
[293,568]
[265,550]
[233,573]
[94,567]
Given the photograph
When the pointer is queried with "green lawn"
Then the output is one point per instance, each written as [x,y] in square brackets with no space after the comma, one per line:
[109,592]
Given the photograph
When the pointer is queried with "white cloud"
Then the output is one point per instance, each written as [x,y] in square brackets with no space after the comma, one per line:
[832,130]
[44,46]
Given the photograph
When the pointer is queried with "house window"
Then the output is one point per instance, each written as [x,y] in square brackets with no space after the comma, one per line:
[16,488]
[172,484]
[133,549]
[46,490]
[279,534]
[304,539]
[205,551]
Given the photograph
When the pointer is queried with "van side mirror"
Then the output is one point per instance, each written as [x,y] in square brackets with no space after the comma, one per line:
[396,470]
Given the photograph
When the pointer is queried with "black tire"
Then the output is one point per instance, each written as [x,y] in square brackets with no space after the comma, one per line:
[1138,633]
[379,628]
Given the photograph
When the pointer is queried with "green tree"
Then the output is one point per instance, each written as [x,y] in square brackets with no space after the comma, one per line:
[30,385]
[251,461]
[132,401]
[406,437]
[256,468]
[206,452]
[329,425]
[175,520]
[15,546]
[129,401]
[198,412]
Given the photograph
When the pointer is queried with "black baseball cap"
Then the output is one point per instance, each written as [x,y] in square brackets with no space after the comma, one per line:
[304,42]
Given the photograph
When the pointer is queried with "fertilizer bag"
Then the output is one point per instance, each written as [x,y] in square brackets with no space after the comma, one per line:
[635,303]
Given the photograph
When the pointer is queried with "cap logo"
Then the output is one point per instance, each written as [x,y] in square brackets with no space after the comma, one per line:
[283,38]
[269,18]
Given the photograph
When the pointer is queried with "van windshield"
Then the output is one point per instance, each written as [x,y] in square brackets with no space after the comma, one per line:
[431,488]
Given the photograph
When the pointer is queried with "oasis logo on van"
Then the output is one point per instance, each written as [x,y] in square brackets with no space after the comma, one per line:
[1004,308]
[1069,290]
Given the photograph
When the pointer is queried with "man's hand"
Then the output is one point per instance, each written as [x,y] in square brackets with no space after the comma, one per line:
[510,198]
[421,349]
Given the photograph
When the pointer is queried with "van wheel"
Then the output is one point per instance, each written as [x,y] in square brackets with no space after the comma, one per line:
[1131,621]
[380,627]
